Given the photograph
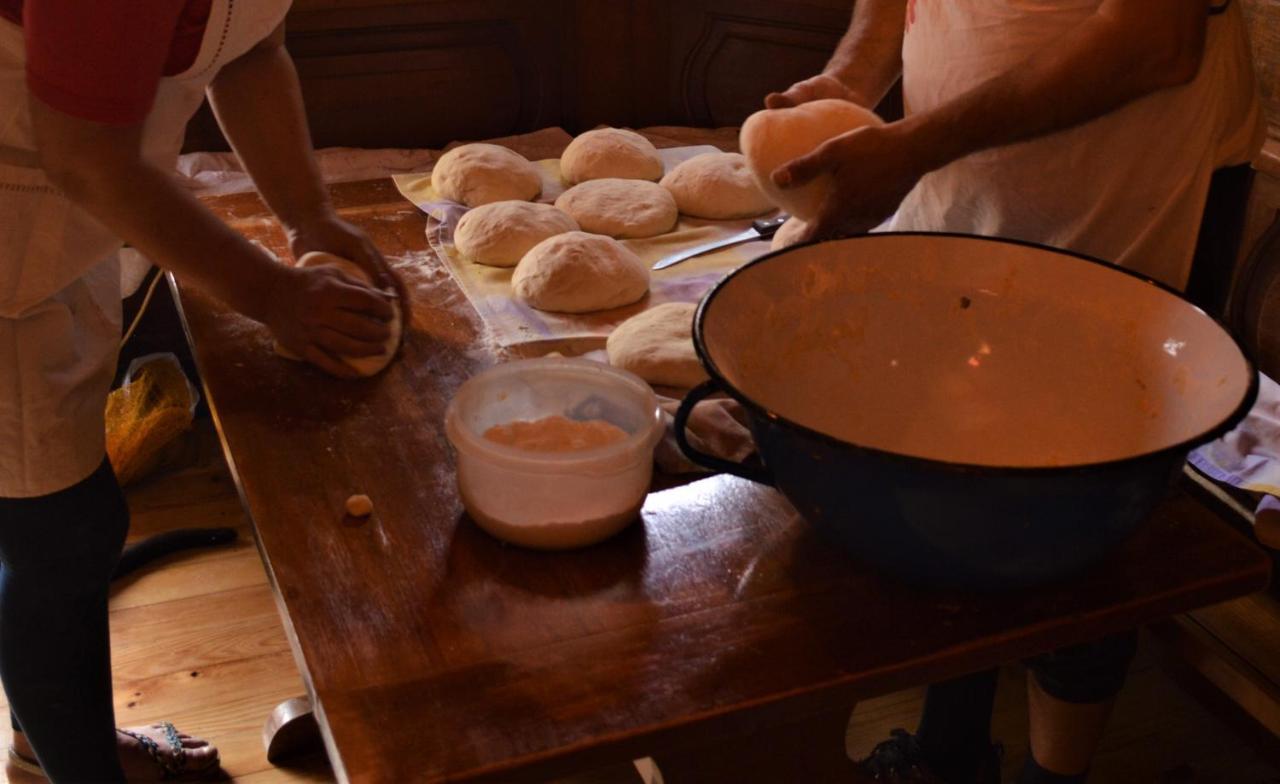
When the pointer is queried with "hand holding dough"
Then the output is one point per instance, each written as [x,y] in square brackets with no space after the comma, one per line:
[365,366]
[774,137]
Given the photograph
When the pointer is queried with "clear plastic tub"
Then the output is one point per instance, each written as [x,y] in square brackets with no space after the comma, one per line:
[554,500]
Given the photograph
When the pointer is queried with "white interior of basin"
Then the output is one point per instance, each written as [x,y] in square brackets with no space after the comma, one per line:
[972,351]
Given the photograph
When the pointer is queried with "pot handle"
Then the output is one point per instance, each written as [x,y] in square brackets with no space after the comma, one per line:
[696,396]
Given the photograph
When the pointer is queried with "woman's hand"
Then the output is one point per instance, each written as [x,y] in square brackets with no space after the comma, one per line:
[331,234]
[321,315]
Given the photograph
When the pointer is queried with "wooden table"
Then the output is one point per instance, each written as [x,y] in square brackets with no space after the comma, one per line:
[433,653]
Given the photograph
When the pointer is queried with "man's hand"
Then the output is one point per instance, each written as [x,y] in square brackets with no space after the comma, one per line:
[331,234]
[872,170]
[815,88]
[320,315]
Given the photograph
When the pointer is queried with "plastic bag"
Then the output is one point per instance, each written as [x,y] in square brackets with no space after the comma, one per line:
[155,404]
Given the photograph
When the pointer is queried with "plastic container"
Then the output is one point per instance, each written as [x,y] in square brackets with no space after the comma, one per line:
[554,500]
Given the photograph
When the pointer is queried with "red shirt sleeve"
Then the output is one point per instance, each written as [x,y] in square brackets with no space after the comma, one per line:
[100,60]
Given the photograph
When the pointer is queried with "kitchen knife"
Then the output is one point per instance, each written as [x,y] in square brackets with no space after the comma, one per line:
[760,230]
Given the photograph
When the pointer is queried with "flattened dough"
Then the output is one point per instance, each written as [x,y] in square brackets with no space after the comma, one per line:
[657,345]
[499,234]
[365,366]
[610,152]
[717,186]
[622,209]
[479,174]
[580,273]
[773,137]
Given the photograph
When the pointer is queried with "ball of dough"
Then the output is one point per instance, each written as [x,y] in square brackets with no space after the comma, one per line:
[580,273]
[365,366]
[773,137]
[610,152]
[657,345]
[479,174]
[788,234]
[623,209]
[499,234]
[717,186]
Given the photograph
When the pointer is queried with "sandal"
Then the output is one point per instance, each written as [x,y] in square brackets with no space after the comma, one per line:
[172,761]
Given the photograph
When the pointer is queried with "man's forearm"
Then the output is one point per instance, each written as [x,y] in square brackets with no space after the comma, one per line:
[1110,60]
[258,103]
[869,58]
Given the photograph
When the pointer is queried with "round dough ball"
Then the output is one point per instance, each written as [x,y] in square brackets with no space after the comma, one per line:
[580,273]
[788,234]
[499,234]
[365,366]
[479,174]
[773,137]
[623,209]
[610,152]
[657,345]
[717,186]
[359,506]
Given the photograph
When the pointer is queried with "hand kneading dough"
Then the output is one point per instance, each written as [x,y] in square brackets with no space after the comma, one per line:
[499,234]
[657,345]
[479,174]
[580,273]
[788,234]
[623,209]
[773,137]
[365,366]
[610,152]
[716,186]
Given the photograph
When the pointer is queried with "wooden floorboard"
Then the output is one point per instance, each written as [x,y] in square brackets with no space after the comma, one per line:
[197,641]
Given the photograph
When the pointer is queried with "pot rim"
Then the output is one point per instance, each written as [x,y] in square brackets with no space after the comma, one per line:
[1185,446]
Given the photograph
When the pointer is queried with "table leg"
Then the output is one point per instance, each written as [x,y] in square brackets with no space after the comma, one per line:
[291,731]
[811,750]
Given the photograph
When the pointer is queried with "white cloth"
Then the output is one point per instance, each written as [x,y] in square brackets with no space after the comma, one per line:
[1128,187]
[1249,456]
[60,273]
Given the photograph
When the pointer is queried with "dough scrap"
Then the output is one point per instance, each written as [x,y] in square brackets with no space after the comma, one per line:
[788,234]
[657,345]
[773,137]
[359,506]
[610,152]
[717,186]
[579,272]
[622,209]
[479,174]
[365,366]
[499,234]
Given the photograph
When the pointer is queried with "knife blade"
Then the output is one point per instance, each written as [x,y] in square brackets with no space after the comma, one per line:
[760,230]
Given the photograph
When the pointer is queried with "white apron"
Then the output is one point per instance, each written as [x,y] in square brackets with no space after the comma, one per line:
[59,271]
[1128,187]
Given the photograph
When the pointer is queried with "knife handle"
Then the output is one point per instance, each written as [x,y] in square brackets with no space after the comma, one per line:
[768,228]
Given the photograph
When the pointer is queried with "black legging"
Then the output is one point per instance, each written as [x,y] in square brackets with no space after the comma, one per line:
[57,553]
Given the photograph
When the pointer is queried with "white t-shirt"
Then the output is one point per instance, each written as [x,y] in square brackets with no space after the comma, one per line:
[1128,187]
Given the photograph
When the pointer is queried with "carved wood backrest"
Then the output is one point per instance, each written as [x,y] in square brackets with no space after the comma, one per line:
[1255,304]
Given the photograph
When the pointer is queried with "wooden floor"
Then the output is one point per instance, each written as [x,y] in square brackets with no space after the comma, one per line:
[197,641]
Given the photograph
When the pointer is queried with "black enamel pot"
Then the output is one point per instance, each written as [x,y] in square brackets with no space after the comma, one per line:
[964,411]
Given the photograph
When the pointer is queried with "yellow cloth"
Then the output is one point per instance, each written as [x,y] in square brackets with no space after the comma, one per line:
[511,322]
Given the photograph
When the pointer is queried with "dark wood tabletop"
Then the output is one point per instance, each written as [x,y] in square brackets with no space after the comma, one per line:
[434,653]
